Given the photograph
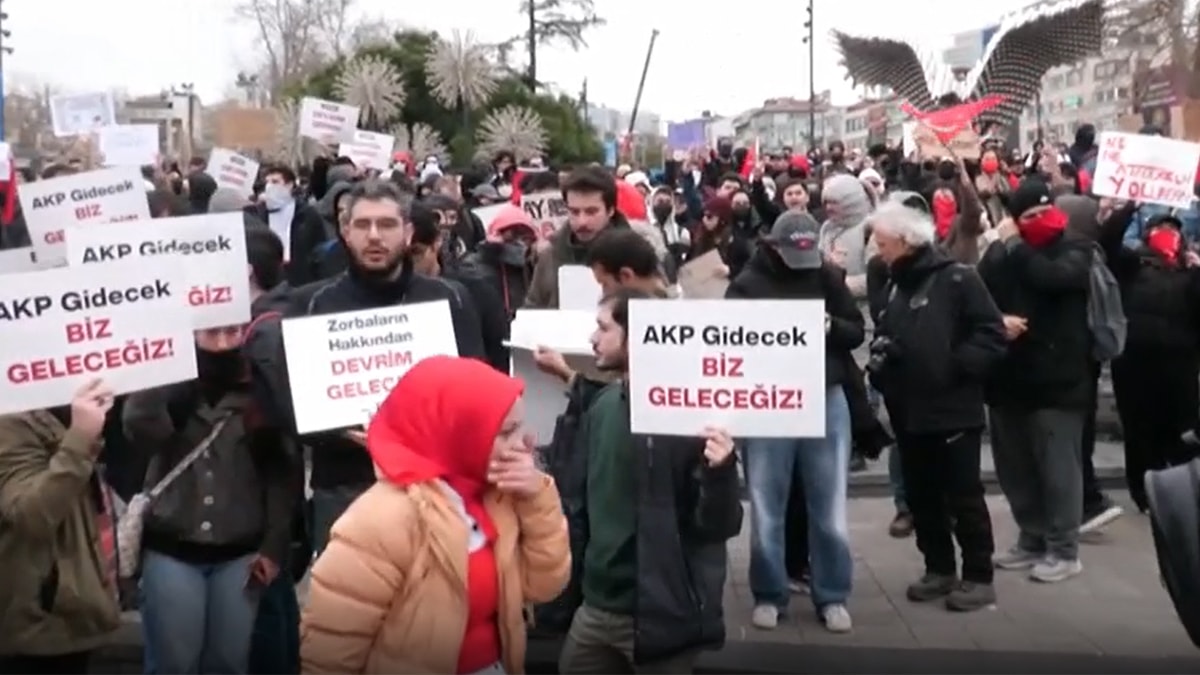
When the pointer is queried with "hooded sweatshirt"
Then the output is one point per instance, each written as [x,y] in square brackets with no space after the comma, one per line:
[439,424]
[844,237]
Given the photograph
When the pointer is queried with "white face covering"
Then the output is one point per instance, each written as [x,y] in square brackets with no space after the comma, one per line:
[276,196]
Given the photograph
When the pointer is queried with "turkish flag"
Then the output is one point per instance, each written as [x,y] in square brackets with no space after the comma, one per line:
[749,161]
[947,122]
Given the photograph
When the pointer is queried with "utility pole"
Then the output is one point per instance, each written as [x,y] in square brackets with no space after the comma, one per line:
[5,34]
[637,101]
[531,76]
[188,89]
[812,76]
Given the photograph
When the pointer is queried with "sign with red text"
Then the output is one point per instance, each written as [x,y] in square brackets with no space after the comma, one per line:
[92,198]
[327,122]
[755,368]
[209,249]
[233,171]
[1150,169]
[368,149]
[126,323]
[547,210]
[342,366]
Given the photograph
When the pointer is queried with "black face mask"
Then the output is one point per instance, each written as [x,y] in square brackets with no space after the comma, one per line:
[513,253]
[741,214]
[220,370]
[724,150]
[947,171]
[662,212]
[835,156]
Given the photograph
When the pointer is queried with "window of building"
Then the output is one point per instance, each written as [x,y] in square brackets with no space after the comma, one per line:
[1055,82]
[1073,102]
[1074,78]
[1103,71]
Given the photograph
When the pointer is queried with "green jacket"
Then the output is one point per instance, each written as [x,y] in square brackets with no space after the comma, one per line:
[55,598]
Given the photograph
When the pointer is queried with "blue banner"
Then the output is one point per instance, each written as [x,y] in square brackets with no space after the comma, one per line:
[610,153]
[688,135]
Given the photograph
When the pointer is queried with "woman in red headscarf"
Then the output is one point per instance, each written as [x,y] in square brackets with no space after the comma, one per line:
[428,571]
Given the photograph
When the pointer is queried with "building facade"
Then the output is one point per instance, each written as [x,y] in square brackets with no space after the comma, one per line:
[781,122]
[614,123]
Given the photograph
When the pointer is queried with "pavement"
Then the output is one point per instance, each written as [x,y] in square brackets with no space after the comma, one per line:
[1114,618]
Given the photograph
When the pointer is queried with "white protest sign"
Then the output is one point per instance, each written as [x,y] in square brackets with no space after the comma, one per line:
[753,367]
[369,149]
[210,249]
[92,198]
[81,114]
[133,145]
[126,323]
[1150,169]
[18,260]
[326,121]
[565,331]
[578,288]
[6,163]
[547,210]
[342,366]
[486,214]
[233,171]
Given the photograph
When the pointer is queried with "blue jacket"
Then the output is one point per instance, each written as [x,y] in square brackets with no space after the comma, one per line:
[1135,233]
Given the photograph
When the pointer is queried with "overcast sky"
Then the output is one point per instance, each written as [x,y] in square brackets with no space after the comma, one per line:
[723,56]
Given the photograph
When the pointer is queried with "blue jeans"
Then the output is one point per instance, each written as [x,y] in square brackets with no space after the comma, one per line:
[821,464]
[197,618]
[276,646]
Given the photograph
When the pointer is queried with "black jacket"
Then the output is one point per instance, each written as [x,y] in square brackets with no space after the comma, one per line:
[936,341]
[489,308]
[1161,301]
[1050,365]
[510,282]
[336,460]
[686,511]
[308,232]
[766,278]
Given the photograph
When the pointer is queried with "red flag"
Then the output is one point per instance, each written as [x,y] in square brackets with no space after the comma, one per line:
[517,175]
[749,161]
[948,122]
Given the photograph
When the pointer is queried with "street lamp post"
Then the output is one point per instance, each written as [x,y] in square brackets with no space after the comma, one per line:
[812,70]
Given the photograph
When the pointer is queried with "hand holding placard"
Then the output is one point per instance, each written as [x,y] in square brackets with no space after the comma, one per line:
[89,409]
[718,445]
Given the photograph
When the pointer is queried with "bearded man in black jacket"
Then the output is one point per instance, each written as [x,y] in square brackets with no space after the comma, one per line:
[937,337]
[377,231]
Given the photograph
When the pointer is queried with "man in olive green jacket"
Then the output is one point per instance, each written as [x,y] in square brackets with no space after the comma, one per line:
[59,597]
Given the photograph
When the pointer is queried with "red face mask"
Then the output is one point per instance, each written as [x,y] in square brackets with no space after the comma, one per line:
[1165,241]
[989,164]
[944,210]
[1044,228]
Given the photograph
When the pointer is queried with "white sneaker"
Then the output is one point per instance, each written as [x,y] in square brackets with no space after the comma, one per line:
[765,617]
[837,619]
[1052,570]
[1100,520]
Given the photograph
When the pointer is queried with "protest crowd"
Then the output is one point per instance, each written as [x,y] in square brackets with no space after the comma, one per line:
[474,406]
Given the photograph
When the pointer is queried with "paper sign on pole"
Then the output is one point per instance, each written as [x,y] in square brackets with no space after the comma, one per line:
[233,171]
[547,210]
[80,114]
[326,121]
[753,367]
[92,198]
[705,277]
[210,249]
[126,323]
[578,288]
[369,149]
[342,366]
[1144,168]
[564,331]
[133,145]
